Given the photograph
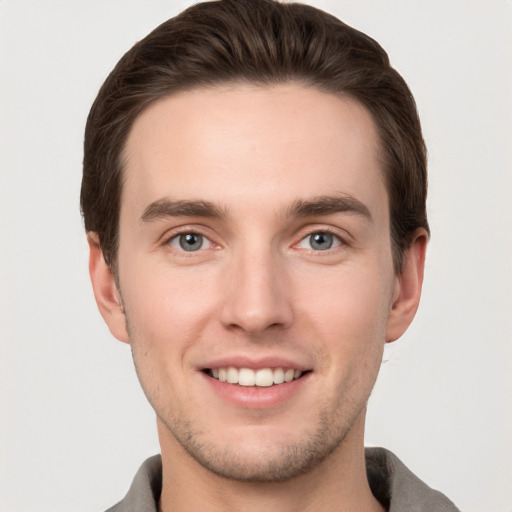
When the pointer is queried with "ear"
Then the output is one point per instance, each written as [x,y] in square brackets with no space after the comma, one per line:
[105,289]
[406,296]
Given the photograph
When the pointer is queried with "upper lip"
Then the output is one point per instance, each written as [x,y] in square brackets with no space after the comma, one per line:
[241,361]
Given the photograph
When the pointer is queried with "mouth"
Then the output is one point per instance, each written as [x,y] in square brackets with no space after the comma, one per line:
[248,377]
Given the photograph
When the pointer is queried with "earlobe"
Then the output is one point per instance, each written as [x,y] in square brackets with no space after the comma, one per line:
[105,289]
[408,285]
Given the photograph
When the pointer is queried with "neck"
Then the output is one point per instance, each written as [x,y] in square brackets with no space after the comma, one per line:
[338,484]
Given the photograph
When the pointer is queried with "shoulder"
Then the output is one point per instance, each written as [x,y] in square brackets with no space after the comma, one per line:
[398,488]
[145,490]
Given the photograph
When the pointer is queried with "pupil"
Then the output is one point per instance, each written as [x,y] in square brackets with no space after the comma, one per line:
[321,241]
[191,242]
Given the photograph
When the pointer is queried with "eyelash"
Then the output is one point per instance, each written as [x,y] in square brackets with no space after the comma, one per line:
[338,240]
[341,242]
[176,235]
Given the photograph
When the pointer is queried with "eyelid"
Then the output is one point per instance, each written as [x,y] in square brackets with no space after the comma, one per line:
[174,242]
[173,233]
[342,235]
[338,241]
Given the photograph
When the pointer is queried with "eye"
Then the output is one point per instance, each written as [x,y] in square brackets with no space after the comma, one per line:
[320,241]
[190,242]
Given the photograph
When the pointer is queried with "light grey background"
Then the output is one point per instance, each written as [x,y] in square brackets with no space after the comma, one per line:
[74,424]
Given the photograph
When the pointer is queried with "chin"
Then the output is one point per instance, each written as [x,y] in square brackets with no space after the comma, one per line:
[273,457]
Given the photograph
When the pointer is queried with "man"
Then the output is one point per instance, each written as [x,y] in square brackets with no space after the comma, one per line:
[254,197]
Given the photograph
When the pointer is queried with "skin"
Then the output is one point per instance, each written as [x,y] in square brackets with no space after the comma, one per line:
[257,288]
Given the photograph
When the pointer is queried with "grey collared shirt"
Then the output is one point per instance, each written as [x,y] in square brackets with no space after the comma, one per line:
[397,488]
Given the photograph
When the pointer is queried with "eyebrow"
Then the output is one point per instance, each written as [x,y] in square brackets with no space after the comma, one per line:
[322,205]
[184,208]
[328,205]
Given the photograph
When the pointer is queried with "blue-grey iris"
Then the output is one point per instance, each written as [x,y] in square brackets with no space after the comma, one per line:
[321,241]
[191,242]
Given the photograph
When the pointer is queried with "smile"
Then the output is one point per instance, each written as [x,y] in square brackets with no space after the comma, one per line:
[263,377]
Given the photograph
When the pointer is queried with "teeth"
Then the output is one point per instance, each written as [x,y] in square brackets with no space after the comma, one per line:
[232,375]
[278,376]
[264,377]
[246,377]
[288,375]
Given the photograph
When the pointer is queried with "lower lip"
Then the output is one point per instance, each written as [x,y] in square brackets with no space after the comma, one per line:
[255,397]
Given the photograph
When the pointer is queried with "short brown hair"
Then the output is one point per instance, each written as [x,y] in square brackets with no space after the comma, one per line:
[260,42]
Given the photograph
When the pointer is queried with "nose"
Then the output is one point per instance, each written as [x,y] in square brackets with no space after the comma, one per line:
[256,295]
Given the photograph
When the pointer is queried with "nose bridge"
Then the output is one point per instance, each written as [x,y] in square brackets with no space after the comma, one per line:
[256,297]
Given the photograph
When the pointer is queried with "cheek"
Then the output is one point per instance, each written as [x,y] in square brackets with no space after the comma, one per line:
[347,314]
[165,302]
[165,317]
[354,302]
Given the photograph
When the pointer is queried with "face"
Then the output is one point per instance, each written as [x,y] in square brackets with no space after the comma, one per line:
[255,273]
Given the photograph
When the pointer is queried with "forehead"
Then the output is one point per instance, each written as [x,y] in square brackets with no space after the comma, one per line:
[237,143]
